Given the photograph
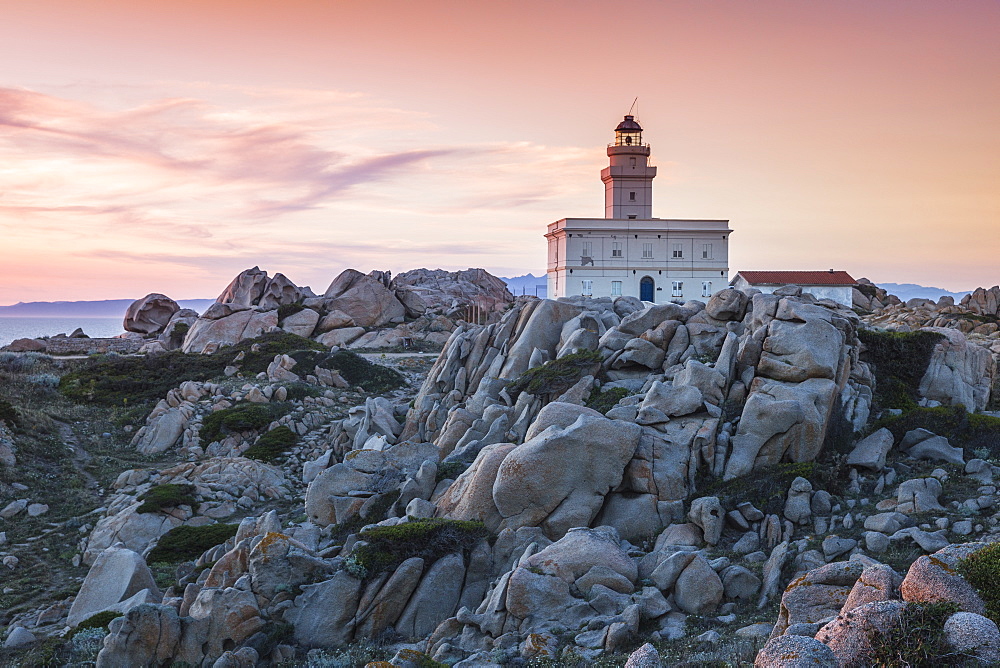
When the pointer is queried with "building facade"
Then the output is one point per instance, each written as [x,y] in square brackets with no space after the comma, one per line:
[629,252]
[836,285]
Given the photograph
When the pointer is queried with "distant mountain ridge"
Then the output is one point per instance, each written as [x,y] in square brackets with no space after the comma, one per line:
[907,291]
[107,308]
[529,284]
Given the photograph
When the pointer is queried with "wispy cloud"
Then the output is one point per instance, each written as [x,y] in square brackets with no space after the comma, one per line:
[209,183]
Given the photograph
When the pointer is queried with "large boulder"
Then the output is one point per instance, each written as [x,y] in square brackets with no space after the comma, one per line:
[781,421]
[470,497]
[364,299]
[150,314]
[208,333]
[817,595]
[451,292]
[117,574]
[558,479]
[795,652]
[959,372]
[246,289]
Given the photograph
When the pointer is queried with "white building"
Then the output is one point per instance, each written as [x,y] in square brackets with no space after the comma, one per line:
[628,252]
[830,284]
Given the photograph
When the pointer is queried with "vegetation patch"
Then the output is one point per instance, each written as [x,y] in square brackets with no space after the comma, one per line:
[385,548]
[556,376]
[9,415]
[916,639]
[450,471]
[765,488]
[185,543]
[286,310]
[971,431]
[982,570]
[272,445]
[117,380]
[374,513]
[241,417]
[299,391]
[163,497]
[97,621]
[899,360]
[603,401]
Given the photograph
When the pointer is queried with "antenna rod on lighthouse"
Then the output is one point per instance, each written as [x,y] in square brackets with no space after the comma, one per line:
[633,105]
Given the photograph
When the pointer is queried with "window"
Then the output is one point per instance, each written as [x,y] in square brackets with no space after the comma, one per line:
[616,249]
[632,162]
[631,217]
[677,289]
[588,288]
[588,247]
[631,197]
[706,251]
[616,288]
[678,251]
[706,288]
[647,251]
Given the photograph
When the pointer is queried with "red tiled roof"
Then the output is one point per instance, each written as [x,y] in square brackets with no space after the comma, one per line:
[797,277]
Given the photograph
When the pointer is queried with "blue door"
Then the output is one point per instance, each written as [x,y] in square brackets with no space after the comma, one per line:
[646,289]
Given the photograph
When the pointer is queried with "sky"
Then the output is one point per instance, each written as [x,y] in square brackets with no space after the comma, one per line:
[166,145]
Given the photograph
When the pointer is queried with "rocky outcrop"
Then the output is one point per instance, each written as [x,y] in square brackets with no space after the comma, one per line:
[362,298]
[959,372]
[151,314]
[461,294]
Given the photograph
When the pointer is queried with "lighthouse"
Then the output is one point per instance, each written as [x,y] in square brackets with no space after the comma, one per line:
[629,252]
[628,179]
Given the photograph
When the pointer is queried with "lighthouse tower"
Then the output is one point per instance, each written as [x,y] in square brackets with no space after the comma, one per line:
[628,252]
[628,179]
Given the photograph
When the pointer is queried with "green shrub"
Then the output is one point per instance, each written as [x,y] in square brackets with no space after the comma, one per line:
[286,310]
[99,620]
[9,415]
[180,330]
[450,471]
[968,430]
[113,380]
[167,496]
[272,445]
[916,639]
[982,570]
[603,401]
[358,371]
[765,488]
[241,417]
[185,543]
[299,391]
[899,360]
[385,548]
[556,376]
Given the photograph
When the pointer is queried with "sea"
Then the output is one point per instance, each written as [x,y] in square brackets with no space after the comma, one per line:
[12,328]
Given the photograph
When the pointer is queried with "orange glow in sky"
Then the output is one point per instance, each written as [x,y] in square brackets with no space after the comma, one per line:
[165,145]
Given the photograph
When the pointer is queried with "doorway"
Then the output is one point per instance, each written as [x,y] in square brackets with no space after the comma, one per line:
[647,290]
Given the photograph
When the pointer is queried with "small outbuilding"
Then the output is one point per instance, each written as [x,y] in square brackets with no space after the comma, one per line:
[829,284]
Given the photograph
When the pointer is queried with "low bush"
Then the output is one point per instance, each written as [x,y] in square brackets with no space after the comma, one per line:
[167,496]
[916,639]
[241,417]
[765,488]
[185,543]
[556,376]
[450,471]
[982,570]
[272,445]
[299,391]
[113,380]
[8,414]
[286,310]
[968,430]
[359,372]
[899,360]
[603,401]
[99,620]
[386,547]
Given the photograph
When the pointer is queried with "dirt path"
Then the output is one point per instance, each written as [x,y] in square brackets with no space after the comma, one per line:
[81,458]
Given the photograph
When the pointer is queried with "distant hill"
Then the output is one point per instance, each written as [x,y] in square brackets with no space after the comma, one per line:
[108,308]
[907,291]
[529,284]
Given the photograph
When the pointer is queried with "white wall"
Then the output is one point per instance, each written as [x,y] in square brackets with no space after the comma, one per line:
[842,294]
